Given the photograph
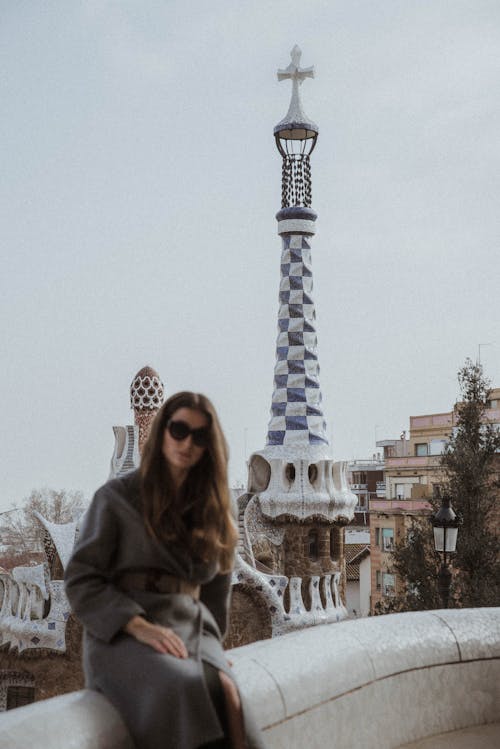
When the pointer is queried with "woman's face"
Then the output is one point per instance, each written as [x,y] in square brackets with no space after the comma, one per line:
[182,454]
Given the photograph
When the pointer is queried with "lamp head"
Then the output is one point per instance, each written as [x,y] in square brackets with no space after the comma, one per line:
[445,523]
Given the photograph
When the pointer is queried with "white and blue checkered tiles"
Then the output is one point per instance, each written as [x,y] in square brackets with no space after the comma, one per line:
[296,413]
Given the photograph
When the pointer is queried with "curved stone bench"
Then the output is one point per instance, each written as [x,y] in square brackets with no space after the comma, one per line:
[389,680]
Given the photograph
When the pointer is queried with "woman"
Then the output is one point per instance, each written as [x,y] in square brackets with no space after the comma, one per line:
[150,579]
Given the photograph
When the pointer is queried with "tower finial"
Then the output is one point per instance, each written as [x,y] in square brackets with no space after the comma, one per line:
[294,71]
[296,119]
[296,136]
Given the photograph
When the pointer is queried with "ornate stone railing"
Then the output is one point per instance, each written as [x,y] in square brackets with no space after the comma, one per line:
[399,678]
[325,602]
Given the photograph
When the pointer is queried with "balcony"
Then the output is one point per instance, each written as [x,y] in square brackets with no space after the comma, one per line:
[413,461]
[409,505]
[432,420]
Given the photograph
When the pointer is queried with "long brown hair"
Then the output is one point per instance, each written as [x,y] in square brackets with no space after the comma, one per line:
[211,532]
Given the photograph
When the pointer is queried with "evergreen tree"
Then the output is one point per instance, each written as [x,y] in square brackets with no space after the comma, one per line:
[471,465]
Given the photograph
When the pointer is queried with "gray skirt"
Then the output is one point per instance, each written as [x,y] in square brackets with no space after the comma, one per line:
[164,700]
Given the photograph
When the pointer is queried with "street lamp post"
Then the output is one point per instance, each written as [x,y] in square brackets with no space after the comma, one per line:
[445,523]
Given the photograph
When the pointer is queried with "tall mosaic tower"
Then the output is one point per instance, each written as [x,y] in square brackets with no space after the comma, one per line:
[300,478]
[296,415]
[291,559]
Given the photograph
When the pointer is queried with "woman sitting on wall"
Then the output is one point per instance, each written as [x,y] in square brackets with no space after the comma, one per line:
[150,580]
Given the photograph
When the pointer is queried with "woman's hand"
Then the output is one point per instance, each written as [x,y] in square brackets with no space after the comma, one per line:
[161,639]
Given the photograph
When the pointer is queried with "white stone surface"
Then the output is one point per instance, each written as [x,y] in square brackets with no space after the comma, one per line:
[63,536]
[329,496]
[297,75]
[392,644]
[295,225]
[485,737]
[389,680]
[33,576]
[254,678]
[390,712]
[477,636]
[81,720]
[126,451]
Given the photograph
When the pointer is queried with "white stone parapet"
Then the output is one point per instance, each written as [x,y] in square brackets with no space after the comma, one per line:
[399,678]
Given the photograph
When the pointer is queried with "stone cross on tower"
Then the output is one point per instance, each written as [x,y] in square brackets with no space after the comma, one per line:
[296,414]
[297,75]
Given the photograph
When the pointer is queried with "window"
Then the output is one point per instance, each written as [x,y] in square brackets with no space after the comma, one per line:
[421,449]
[19,696]
[400,491]
[359,477]
[437,447]
[384,538]
[388,584]
[387,539]
[362,501]
[312,473]
[313,545]
[332,543]
[436,491]
[492,403]
[377,579]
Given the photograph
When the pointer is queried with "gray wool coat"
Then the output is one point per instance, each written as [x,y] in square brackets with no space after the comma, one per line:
[163,700]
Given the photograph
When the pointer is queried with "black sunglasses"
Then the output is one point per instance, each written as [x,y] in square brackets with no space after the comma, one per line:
[179,431]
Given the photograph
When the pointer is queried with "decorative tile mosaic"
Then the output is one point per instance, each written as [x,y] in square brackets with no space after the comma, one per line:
[22,624]
[296,412]
[271,589]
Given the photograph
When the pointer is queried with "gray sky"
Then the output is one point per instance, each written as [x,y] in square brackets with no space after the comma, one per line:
[140,181]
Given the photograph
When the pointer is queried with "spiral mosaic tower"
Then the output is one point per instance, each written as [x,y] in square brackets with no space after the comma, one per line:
[297,418]
[294,475]
[296,412]
[290,565]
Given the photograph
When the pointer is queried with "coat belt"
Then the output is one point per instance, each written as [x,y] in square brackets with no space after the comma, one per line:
[156,581]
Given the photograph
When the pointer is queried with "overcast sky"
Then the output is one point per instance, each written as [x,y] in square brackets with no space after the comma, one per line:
[140,182]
